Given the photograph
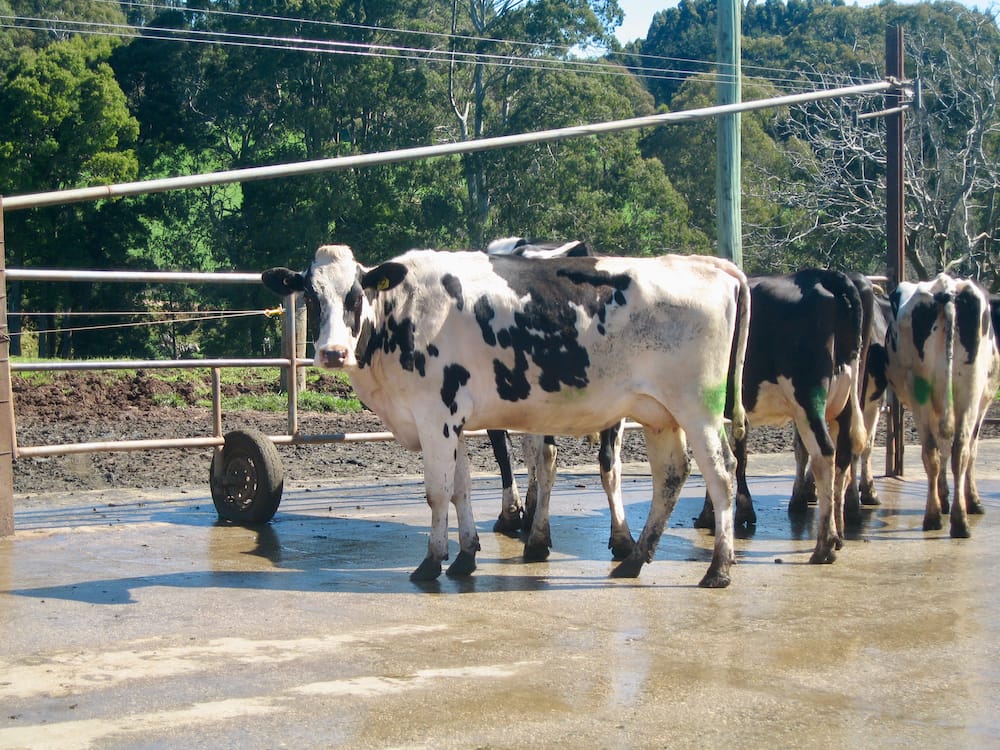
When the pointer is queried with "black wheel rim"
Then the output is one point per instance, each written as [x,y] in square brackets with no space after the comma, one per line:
[240,483]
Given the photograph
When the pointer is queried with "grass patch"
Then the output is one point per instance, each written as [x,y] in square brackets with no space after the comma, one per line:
[308,401]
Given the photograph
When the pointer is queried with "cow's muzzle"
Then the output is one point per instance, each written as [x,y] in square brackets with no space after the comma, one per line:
[333,357]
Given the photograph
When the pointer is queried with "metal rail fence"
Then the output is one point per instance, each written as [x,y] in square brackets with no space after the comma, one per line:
[249,455]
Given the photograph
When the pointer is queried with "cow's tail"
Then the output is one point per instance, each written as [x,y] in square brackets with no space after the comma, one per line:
[737,360]
[942,390]
[862,304]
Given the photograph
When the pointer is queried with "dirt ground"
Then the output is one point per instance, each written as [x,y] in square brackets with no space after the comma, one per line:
[84,407]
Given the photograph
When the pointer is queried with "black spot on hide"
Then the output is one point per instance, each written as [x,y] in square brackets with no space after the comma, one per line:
[455,376]
[453,287]
[544,331]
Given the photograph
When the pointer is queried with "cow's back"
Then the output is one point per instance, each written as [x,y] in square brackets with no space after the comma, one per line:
[805,327]
[566,346]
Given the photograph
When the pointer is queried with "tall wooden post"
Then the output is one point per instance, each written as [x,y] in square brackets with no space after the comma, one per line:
[895,229]
[728,171]
[7,443]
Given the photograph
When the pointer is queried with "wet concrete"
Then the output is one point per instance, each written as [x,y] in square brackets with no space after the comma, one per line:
[133,620]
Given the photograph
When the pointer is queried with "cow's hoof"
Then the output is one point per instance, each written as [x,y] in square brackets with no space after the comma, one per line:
[428,570]
[463,566]
[932,523]
[745,518]
[621,550]
[628,568]
[714,580]
[960,531]
[824,556]
[839,544]
[974,508]
[798,506]
[536,552]
[852,512]
[945,507]
[506,525]
[705,521]
[869,496]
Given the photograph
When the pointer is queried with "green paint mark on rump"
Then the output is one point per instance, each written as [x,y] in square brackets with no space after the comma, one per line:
[715,399]
[921,390]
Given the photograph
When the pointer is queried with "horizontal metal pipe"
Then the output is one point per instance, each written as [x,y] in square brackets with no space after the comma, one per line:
[111,446]
[35,200]
[152,364]
[135,277]
[63,449]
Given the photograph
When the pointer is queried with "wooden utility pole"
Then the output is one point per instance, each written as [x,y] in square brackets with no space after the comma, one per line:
[729,227]
[895,230]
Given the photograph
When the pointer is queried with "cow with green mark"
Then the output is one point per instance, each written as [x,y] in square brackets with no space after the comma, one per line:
[944,366]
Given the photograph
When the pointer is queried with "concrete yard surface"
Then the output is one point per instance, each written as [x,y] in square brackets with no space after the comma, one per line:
[135,620]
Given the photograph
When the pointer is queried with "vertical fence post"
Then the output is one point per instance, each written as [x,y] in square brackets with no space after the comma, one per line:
[895,228]
[728,169]
[7,440]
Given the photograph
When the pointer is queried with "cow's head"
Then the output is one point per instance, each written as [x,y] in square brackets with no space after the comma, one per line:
[338,293]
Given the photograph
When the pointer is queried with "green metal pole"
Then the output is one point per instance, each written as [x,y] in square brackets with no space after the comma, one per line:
[728,143]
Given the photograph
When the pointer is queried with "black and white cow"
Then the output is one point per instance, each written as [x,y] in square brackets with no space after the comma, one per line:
[803,365]
[861,489]
[540,451]
[944,366]
[437,343]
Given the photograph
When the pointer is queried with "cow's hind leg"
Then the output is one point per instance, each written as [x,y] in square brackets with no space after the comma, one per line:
[609,457]
[669,467]
[511,508]
[960,467]
[540,453]
[932,466]
[716,461]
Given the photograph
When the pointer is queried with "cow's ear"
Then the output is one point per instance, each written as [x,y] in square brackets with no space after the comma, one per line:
[384,277]
[283,281]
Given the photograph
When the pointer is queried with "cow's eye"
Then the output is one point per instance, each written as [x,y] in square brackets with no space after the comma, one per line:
[312,314]
[352,309]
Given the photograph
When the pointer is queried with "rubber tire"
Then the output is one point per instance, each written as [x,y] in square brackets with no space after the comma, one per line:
[248,489]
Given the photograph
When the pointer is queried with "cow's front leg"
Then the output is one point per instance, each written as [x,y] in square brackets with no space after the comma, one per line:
[440,459]
[804,491]
[468,538]
[669,467]
[542,451]
[609,458]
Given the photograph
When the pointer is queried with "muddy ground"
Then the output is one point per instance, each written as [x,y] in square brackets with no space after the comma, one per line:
[85,407]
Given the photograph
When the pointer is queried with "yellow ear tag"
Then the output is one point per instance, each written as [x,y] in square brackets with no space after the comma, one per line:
[383,284]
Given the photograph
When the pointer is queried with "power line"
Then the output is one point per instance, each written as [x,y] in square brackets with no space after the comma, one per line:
[386,51]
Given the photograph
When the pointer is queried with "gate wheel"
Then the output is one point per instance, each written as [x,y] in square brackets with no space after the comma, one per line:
[247,478]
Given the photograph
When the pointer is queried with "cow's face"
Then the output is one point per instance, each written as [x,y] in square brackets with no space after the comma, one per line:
[337,301]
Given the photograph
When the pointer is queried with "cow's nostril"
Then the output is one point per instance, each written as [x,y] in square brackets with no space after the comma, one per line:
[335,356]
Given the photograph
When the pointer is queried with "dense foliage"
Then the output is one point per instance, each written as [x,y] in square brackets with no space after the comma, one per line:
[97,91]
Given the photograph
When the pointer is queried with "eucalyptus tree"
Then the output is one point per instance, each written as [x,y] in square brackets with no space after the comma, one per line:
[497,48]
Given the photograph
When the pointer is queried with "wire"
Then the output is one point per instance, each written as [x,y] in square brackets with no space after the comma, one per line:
[143,324]
[121,313]
[364,49]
